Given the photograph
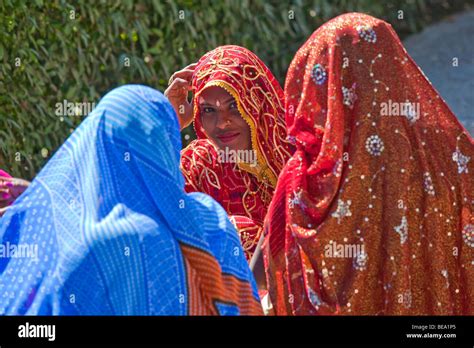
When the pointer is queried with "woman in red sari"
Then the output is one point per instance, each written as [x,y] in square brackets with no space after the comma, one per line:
[237,105]
[373,213]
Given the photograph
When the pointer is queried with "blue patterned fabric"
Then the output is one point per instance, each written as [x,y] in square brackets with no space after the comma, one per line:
[106,216]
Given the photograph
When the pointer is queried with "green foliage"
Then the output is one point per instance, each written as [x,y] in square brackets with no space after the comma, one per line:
[57,50]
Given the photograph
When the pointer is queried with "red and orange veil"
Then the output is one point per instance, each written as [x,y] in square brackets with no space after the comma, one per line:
[244,191]
[373,213]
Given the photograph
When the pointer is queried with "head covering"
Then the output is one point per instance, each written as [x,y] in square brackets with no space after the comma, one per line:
[373,212]
[4,174]
[259,100]
[110,230]
[243,190]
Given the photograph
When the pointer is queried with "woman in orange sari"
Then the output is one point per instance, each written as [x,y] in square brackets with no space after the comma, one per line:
[373,213]
[237,106]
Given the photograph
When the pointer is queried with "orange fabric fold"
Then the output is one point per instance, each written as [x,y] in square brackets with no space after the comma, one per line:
[373,212]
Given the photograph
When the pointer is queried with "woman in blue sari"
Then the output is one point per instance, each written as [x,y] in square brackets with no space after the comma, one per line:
[106,227]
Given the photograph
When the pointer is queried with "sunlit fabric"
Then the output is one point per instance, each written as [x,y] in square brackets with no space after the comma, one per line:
[373,212]
[243,190]
[107,228]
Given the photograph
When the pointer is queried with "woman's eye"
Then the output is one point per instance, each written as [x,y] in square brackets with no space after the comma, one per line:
[233,105]
[208,110]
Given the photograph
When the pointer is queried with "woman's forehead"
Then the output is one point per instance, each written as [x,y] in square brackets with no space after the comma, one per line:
[215,95]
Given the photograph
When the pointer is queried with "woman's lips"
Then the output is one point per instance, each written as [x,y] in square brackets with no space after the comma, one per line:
[228,137]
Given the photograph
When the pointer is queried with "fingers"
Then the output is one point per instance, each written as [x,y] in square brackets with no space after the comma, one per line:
[185,74]
[178,89]
[5,191]
[11,188]
[9,182]
[5,198]
[4,181]
[20,182]
[182,74]
[3,211]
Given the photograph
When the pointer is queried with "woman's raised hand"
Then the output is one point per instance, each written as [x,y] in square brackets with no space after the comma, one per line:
[177,93]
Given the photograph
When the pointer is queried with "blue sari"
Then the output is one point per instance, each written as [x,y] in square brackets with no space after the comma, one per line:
[106,227]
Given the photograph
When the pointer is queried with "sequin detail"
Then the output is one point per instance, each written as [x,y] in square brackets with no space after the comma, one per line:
[402,230]
[428,184]
[318,74]
[360,261]
[374,145]
[367,33]
[468,235]
[461,161]
[342,210]
[349,96]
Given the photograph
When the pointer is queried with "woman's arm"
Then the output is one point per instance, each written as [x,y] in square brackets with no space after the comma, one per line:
[257,267]
[177,94]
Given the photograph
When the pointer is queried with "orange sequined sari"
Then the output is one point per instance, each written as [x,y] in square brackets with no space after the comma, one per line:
[373,213]
[244,191]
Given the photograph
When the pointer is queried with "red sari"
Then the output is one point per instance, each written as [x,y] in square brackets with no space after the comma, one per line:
[244,191]
[373,213]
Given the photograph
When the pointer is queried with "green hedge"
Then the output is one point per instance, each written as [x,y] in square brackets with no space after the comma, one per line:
[51,51]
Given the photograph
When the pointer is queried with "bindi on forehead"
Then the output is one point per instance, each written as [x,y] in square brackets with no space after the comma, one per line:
[216,101]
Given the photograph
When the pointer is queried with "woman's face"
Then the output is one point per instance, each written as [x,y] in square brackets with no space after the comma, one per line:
[222,121]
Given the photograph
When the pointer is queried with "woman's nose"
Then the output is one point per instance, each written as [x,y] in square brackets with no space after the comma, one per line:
[223,120]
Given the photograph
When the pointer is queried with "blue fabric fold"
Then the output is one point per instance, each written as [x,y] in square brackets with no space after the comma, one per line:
[107,215]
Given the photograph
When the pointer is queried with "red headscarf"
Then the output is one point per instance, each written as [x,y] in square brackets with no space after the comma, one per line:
[244,191]
[373,212]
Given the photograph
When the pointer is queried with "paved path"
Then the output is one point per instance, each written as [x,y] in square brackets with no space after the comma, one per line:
[434,49]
